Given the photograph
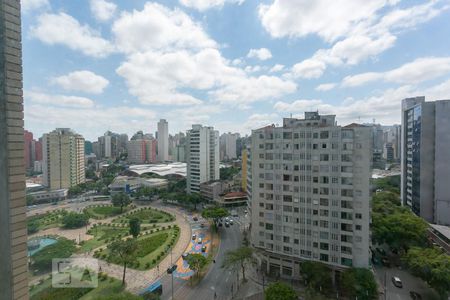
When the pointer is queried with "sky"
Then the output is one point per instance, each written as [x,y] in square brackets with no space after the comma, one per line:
[237,65]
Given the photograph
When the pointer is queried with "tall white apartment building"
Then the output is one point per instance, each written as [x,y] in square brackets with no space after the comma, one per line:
[202,153]
[163,140]
[63,159]
[228,145]
[309,194]
[425,158]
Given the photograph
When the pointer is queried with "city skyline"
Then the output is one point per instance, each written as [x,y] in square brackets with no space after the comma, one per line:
[357,65]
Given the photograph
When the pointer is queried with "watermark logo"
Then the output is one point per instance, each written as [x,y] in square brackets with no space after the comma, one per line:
[75,273]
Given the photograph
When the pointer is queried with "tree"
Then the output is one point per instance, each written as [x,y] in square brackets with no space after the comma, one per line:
[215,213]
[316,274]
[30,199]
[135,227]
[121,199]
[432,265]
[125,252]
[75,190]
[194,198]
[75,220]
[240,257]
[280,291]
[359,283]
[228,173]
[196,262]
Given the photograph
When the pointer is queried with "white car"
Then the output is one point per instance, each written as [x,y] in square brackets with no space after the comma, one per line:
[199,240]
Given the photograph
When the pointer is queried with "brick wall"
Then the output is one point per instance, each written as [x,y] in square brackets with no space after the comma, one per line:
[13,232]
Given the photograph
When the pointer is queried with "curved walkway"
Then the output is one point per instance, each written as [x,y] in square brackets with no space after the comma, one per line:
[137,280]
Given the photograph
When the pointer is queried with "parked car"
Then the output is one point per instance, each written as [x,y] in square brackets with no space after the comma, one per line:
[195,219]
[385,262]
[199,240]
[194,236]
[397,282]
[220,224]
[227,224]
[231,222]
[185,255]
[415,296]
[204,249]
[202,225]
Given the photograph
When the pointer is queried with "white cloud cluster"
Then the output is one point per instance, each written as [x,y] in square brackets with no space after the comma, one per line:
[63,29]
[387,104]
[170,58]
[419,70]
[102,9]
[203,5]
[325,87]
[357,30]
[261,54]
[82,81]
[58,100]
[29,5]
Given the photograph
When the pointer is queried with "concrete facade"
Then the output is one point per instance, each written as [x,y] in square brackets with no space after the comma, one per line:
[63,162]
[309,194]
[13,227]
[425,161]
[202,150]
[163,140]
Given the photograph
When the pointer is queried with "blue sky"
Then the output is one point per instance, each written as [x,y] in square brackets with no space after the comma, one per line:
[98,65]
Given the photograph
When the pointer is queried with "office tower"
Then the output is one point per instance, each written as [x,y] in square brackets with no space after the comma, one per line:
[180,153]
[392,136]
[141,151]
[122,143]
[28,138]
[87,147]
[13,224]
[63,163]
[388,152]
[244,169]
[202,149]
[108,146]
[96,149]
[425,158]
[309,193]
[228,146]
[163,140]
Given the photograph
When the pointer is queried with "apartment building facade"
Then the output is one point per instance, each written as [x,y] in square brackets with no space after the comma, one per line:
[202,155]
[63,159]
[308,189]
[425,158]
[163,140]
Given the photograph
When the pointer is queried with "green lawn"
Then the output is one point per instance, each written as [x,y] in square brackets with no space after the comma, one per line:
[105,211]
[42,260]
[102,235]
[108,288]
[45,221]
[147,216]
[152,248]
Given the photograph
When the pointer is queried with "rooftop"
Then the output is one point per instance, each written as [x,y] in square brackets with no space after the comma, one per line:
[176,168]
[444,230]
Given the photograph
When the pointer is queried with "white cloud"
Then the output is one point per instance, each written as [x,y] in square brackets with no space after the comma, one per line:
[325,87]
[261,54]
[62,29]
[328,19]
[384,106]
[179,58]
[102,9]
[29,5]
[203,5]
[419,70]
[82,81]
[58,100]
[309,68]
[90,122]
[359,30]
[158,28]
[276,68]
[256,121]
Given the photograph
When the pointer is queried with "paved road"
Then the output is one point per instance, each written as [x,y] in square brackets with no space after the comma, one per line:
[218,280]
[410,283]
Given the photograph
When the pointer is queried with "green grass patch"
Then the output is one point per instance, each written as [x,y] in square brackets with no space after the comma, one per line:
[102,234]
[147,216]
[152,248]
[42,260]
[44,221]
[105,211]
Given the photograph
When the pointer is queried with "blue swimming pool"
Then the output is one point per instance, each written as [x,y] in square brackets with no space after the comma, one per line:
[38,244]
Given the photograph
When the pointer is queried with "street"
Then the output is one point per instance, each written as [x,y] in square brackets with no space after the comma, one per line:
[218,280]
